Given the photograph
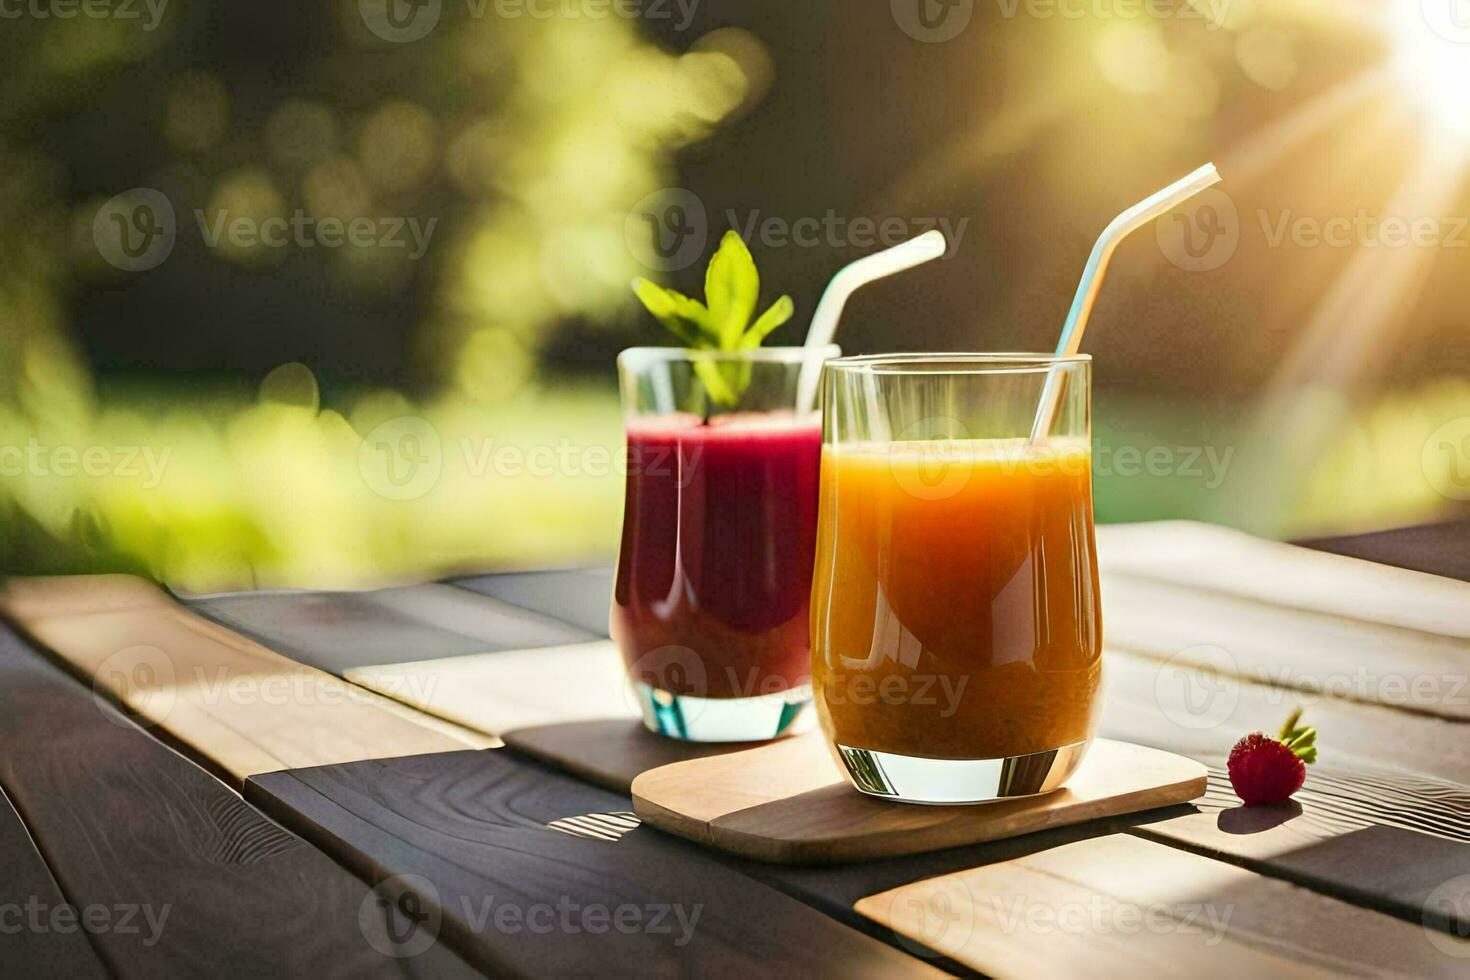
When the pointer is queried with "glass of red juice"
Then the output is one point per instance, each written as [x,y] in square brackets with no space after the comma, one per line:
[710,607]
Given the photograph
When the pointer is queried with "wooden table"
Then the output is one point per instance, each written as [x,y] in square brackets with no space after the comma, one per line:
[198,786]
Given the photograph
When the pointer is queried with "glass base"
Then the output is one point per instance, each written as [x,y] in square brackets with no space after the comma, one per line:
[692,719]
[912,779]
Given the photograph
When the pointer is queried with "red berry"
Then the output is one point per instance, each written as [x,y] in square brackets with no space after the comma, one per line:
[1264,770]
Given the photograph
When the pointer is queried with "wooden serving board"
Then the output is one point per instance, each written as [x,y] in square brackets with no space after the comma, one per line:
[788,803]
[1122,906]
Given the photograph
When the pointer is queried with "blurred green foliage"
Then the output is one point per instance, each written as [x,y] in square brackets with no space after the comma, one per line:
[542,132]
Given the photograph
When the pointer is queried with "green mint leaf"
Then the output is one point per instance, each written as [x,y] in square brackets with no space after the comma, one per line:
[722,323]
[721,389]
[732,287]
[778,314]
[685,318]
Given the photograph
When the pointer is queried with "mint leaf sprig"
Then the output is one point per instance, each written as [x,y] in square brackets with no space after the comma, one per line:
[732,287]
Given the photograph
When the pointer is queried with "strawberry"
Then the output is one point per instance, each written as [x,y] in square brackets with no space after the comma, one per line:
[1267,770]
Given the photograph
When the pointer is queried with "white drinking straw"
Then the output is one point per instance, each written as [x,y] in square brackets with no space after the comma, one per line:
[1121,227]
[914,252]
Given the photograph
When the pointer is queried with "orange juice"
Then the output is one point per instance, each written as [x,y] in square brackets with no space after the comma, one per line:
[955,609]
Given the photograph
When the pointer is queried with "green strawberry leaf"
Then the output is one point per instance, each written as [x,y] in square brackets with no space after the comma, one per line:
[1301,741]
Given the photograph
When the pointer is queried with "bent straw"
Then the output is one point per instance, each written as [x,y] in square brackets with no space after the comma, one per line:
[1121,227]
[914,252]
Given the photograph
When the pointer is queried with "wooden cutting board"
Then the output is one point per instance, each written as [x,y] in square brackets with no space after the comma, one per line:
[788,803]
[1121,906]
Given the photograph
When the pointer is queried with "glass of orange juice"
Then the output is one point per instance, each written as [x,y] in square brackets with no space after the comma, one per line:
[956,632]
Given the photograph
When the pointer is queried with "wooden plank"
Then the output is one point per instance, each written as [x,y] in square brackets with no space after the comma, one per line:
[1330,806]
[65,595]
[338,631]
[1352,659]
[195,881]
[1123,906]
[788,803]
[1218,559]
[1338,801]
[1437,549]
[500,692]
[241,707]
[41,934]
[1202,714]
[609,753]
[1396,871]
[473,827]
[580,596]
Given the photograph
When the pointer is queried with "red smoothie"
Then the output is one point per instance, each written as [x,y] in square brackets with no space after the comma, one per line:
[719,537]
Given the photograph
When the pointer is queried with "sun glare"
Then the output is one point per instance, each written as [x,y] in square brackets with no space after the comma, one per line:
[1432,57]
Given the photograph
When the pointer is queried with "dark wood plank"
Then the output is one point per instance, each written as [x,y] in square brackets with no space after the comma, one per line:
[1439,549]
[215,887]
[581,596]
[339,631]
[610,753]
[473,827]
[39,931]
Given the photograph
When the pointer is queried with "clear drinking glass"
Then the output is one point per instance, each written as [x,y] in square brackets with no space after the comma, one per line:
[710,607]
[956,632]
